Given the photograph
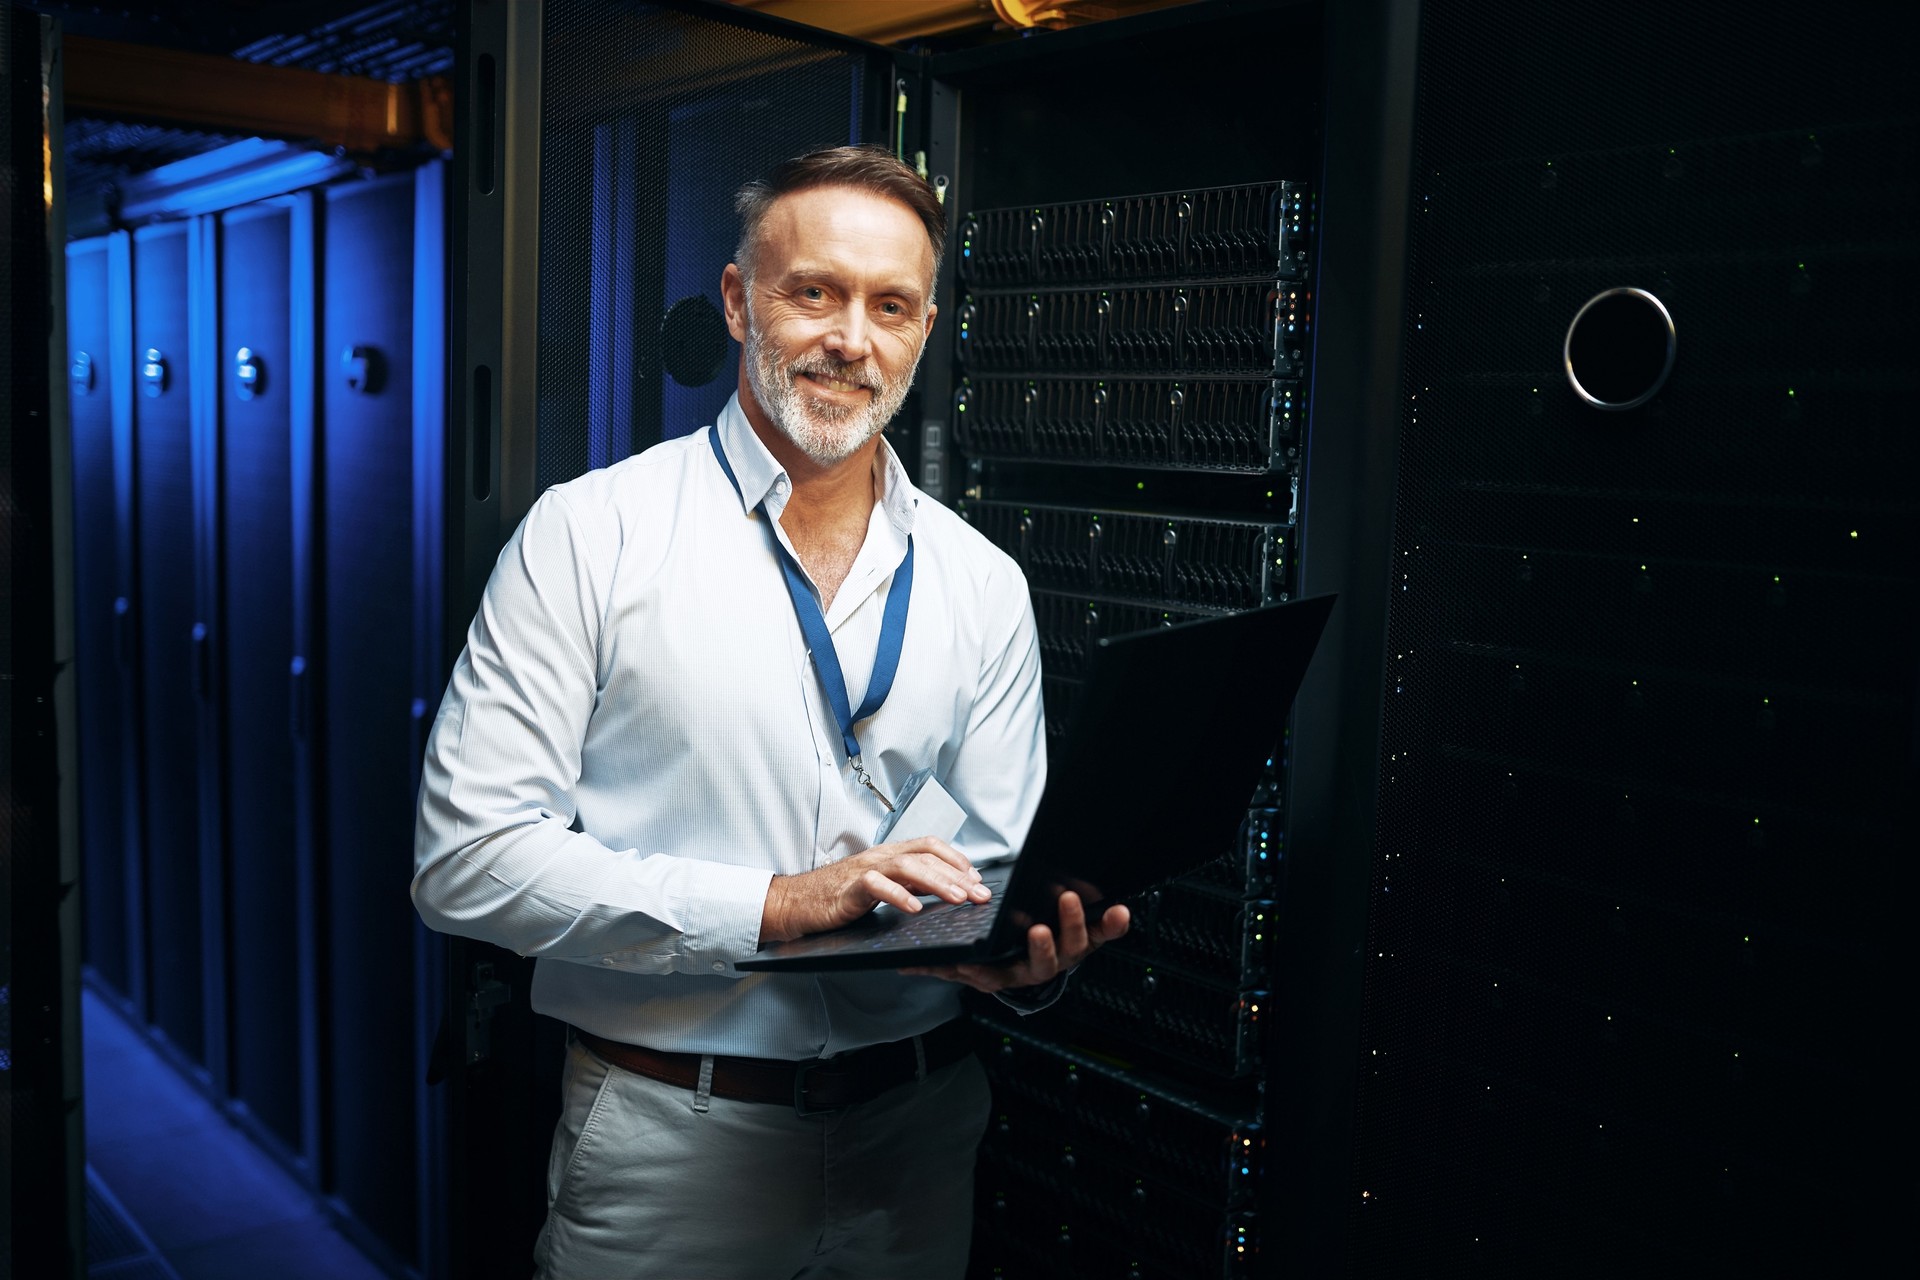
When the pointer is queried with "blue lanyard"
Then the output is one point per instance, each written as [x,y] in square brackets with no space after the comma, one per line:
[826,660]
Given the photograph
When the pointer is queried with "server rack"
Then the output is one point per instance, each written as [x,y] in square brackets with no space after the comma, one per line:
[1122,407]
[1619,713]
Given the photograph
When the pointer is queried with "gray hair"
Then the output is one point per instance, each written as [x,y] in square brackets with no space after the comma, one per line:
[866,168]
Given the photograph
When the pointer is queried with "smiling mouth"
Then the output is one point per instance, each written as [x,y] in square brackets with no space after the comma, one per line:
[832,383]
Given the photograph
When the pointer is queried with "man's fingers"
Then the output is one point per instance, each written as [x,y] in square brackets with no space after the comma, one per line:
[1047,953]
[881,889]
[943,851]
[926,873]
[895,874]
[898,877]
[1043,960]
[1073,925]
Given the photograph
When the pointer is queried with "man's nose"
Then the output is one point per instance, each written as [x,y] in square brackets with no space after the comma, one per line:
[851,335]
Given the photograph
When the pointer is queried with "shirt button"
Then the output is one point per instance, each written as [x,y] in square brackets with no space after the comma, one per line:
[719,966]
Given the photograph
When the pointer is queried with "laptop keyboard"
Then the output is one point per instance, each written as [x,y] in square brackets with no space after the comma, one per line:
[943,926]
[937,924]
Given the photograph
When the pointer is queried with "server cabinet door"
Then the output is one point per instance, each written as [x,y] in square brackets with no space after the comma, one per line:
[641,121]
[366,389]
[171,655]
[92,361]
[1637,906]
[253,377]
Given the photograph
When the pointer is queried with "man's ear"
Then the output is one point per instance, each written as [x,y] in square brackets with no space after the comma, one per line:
[932,311]
[733,299]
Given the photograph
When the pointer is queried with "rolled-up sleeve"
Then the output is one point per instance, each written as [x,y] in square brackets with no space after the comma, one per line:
[497,855]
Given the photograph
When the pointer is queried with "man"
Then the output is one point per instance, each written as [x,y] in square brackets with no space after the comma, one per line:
[640,773]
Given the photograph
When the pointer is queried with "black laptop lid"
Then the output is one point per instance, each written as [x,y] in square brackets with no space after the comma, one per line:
[1169,739]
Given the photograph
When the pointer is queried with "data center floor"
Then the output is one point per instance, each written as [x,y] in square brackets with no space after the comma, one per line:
[175,1192]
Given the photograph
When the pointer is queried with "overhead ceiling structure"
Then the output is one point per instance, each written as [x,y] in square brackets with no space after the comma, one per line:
[259,95]
[388,40]
[364,84]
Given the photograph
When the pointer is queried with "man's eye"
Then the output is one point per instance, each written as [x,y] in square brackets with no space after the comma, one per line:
[813,293]
[893,308]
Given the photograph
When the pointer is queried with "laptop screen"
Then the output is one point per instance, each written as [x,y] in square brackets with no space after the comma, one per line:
[1170,737]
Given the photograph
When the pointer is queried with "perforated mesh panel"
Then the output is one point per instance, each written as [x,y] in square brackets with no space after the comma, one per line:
[1648,754]
[651,119]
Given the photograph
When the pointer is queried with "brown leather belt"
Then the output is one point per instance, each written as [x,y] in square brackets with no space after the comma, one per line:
[811,1086]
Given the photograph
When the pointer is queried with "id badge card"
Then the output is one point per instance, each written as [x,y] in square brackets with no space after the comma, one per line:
[923,809]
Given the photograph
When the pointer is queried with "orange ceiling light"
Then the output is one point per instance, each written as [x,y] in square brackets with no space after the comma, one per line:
[895,21]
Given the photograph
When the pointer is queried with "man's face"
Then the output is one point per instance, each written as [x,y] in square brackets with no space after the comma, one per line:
[837,317]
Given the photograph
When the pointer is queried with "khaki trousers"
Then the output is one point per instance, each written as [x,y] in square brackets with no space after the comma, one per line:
[649,1181]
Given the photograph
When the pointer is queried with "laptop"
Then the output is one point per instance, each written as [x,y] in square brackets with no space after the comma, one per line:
[1173,729]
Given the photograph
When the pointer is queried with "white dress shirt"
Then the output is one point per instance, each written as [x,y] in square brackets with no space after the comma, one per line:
[635,741]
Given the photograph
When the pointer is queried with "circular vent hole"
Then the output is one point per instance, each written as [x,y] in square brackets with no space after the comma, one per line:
[1619,349]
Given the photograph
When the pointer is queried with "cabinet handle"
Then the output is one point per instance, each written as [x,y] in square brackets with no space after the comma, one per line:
[299,690]
[123,630]
[202,672]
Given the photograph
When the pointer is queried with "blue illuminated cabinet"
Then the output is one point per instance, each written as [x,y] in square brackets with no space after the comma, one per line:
[257,400]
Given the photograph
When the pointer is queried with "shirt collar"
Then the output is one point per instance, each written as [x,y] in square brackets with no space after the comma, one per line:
[762,477]
[754,467]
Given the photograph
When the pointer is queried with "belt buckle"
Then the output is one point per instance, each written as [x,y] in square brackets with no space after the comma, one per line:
[800,1072]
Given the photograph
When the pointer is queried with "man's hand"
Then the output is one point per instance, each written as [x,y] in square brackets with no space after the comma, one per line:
[828,897]
[1046,957]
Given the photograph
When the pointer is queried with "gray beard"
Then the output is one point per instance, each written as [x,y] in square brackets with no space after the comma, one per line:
[826,433]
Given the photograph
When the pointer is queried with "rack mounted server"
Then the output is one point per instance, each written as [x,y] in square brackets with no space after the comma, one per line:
[1164,331]
[1088,1169]
[1096,340]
